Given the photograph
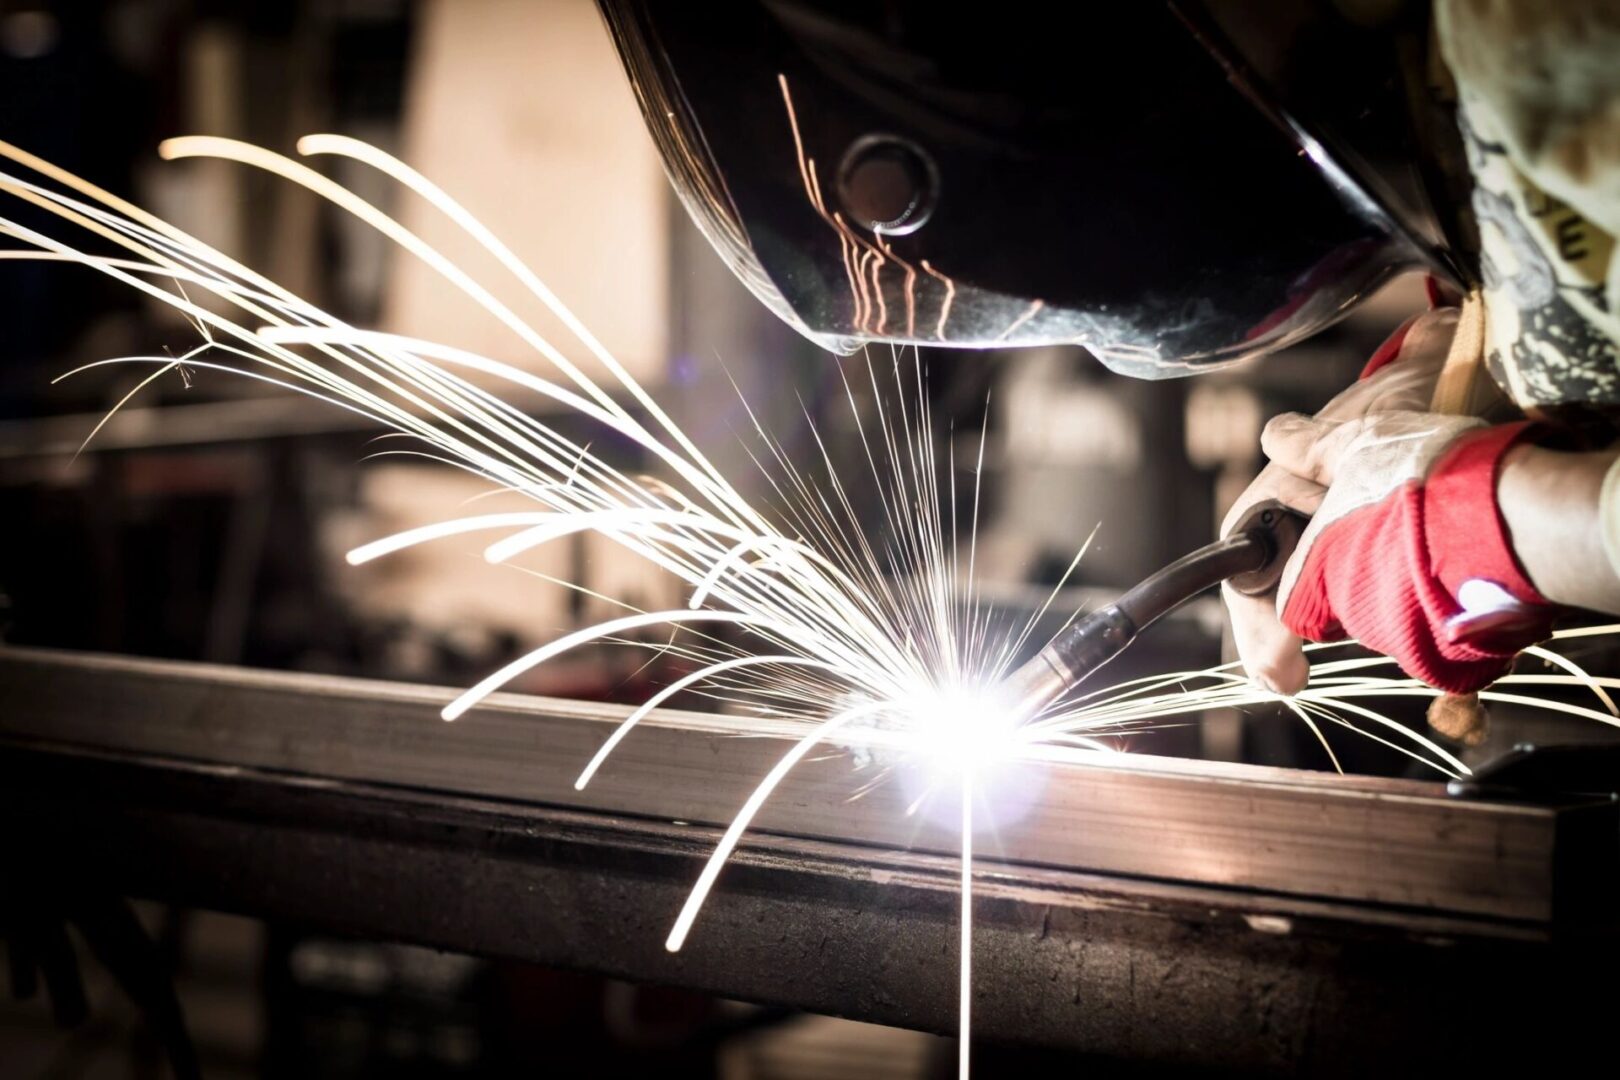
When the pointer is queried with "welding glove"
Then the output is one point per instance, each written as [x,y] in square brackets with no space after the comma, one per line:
[1400,377]
[1407,551]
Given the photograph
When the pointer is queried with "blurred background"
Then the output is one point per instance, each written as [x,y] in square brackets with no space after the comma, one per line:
[207,521]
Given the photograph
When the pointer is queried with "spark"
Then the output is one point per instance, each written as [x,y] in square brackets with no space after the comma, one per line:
[745,817]
[847,241]
[830,616]
[1028,313]
[849,641]
[908,289]
[945,305]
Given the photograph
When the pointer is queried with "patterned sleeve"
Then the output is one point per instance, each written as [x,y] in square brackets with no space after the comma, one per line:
[1538,87]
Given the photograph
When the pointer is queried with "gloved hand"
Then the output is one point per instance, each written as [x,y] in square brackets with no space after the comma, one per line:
[1406,550]
[1400,377]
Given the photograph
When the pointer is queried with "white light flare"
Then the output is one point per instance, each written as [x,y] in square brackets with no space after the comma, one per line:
[964,730]
[965,734]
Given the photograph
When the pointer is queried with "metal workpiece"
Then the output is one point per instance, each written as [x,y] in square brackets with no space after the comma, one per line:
[1173,913]
[1161,973]
[1363,840]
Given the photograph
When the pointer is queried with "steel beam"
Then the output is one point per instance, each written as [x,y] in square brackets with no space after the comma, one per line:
[1159,972]
[1359,839]
[1156,974]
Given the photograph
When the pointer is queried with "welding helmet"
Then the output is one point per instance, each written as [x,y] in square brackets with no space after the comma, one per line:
[1124,176]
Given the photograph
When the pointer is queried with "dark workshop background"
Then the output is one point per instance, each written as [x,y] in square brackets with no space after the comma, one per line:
[208,522]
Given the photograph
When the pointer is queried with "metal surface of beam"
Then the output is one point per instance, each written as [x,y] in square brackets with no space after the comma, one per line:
[1363,840]
[1160,975]
[348,806]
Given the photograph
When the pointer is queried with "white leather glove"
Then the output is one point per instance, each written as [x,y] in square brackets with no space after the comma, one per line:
[1401,378]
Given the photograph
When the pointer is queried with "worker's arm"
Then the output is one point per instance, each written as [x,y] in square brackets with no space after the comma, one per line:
[1562,512]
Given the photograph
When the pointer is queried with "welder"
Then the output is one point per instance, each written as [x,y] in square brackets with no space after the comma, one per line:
[1182,186]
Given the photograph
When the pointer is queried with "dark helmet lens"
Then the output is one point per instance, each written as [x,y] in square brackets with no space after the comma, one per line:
[902,172]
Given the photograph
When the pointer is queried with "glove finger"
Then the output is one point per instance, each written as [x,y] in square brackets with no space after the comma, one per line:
[1274,482]
[1400,389]
[1308,447]
[1272,656]
[1286,440]
[1407,383]
[1298,493]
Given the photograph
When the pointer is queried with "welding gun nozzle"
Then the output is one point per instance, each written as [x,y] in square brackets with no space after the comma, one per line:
[1075,653]
[1251,557]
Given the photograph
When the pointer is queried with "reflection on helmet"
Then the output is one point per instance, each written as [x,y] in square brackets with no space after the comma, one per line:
[908,173]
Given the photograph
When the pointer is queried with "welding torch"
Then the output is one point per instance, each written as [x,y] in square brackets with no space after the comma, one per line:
[1250,559]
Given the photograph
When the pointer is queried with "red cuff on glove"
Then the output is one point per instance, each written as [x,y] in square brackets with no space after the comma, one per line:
[1467,537]
[1388,573]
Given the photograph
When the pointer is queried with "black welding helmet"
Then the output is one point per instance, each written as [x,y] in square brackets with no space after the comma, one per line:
[1116,176]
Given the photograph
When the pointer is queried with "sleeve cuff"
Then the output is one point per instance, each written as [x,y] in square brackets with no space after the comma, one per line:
[1463,525]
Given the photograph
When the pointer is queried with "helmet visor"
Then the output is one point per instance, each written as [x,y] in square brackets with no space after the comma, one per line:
[898,173]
